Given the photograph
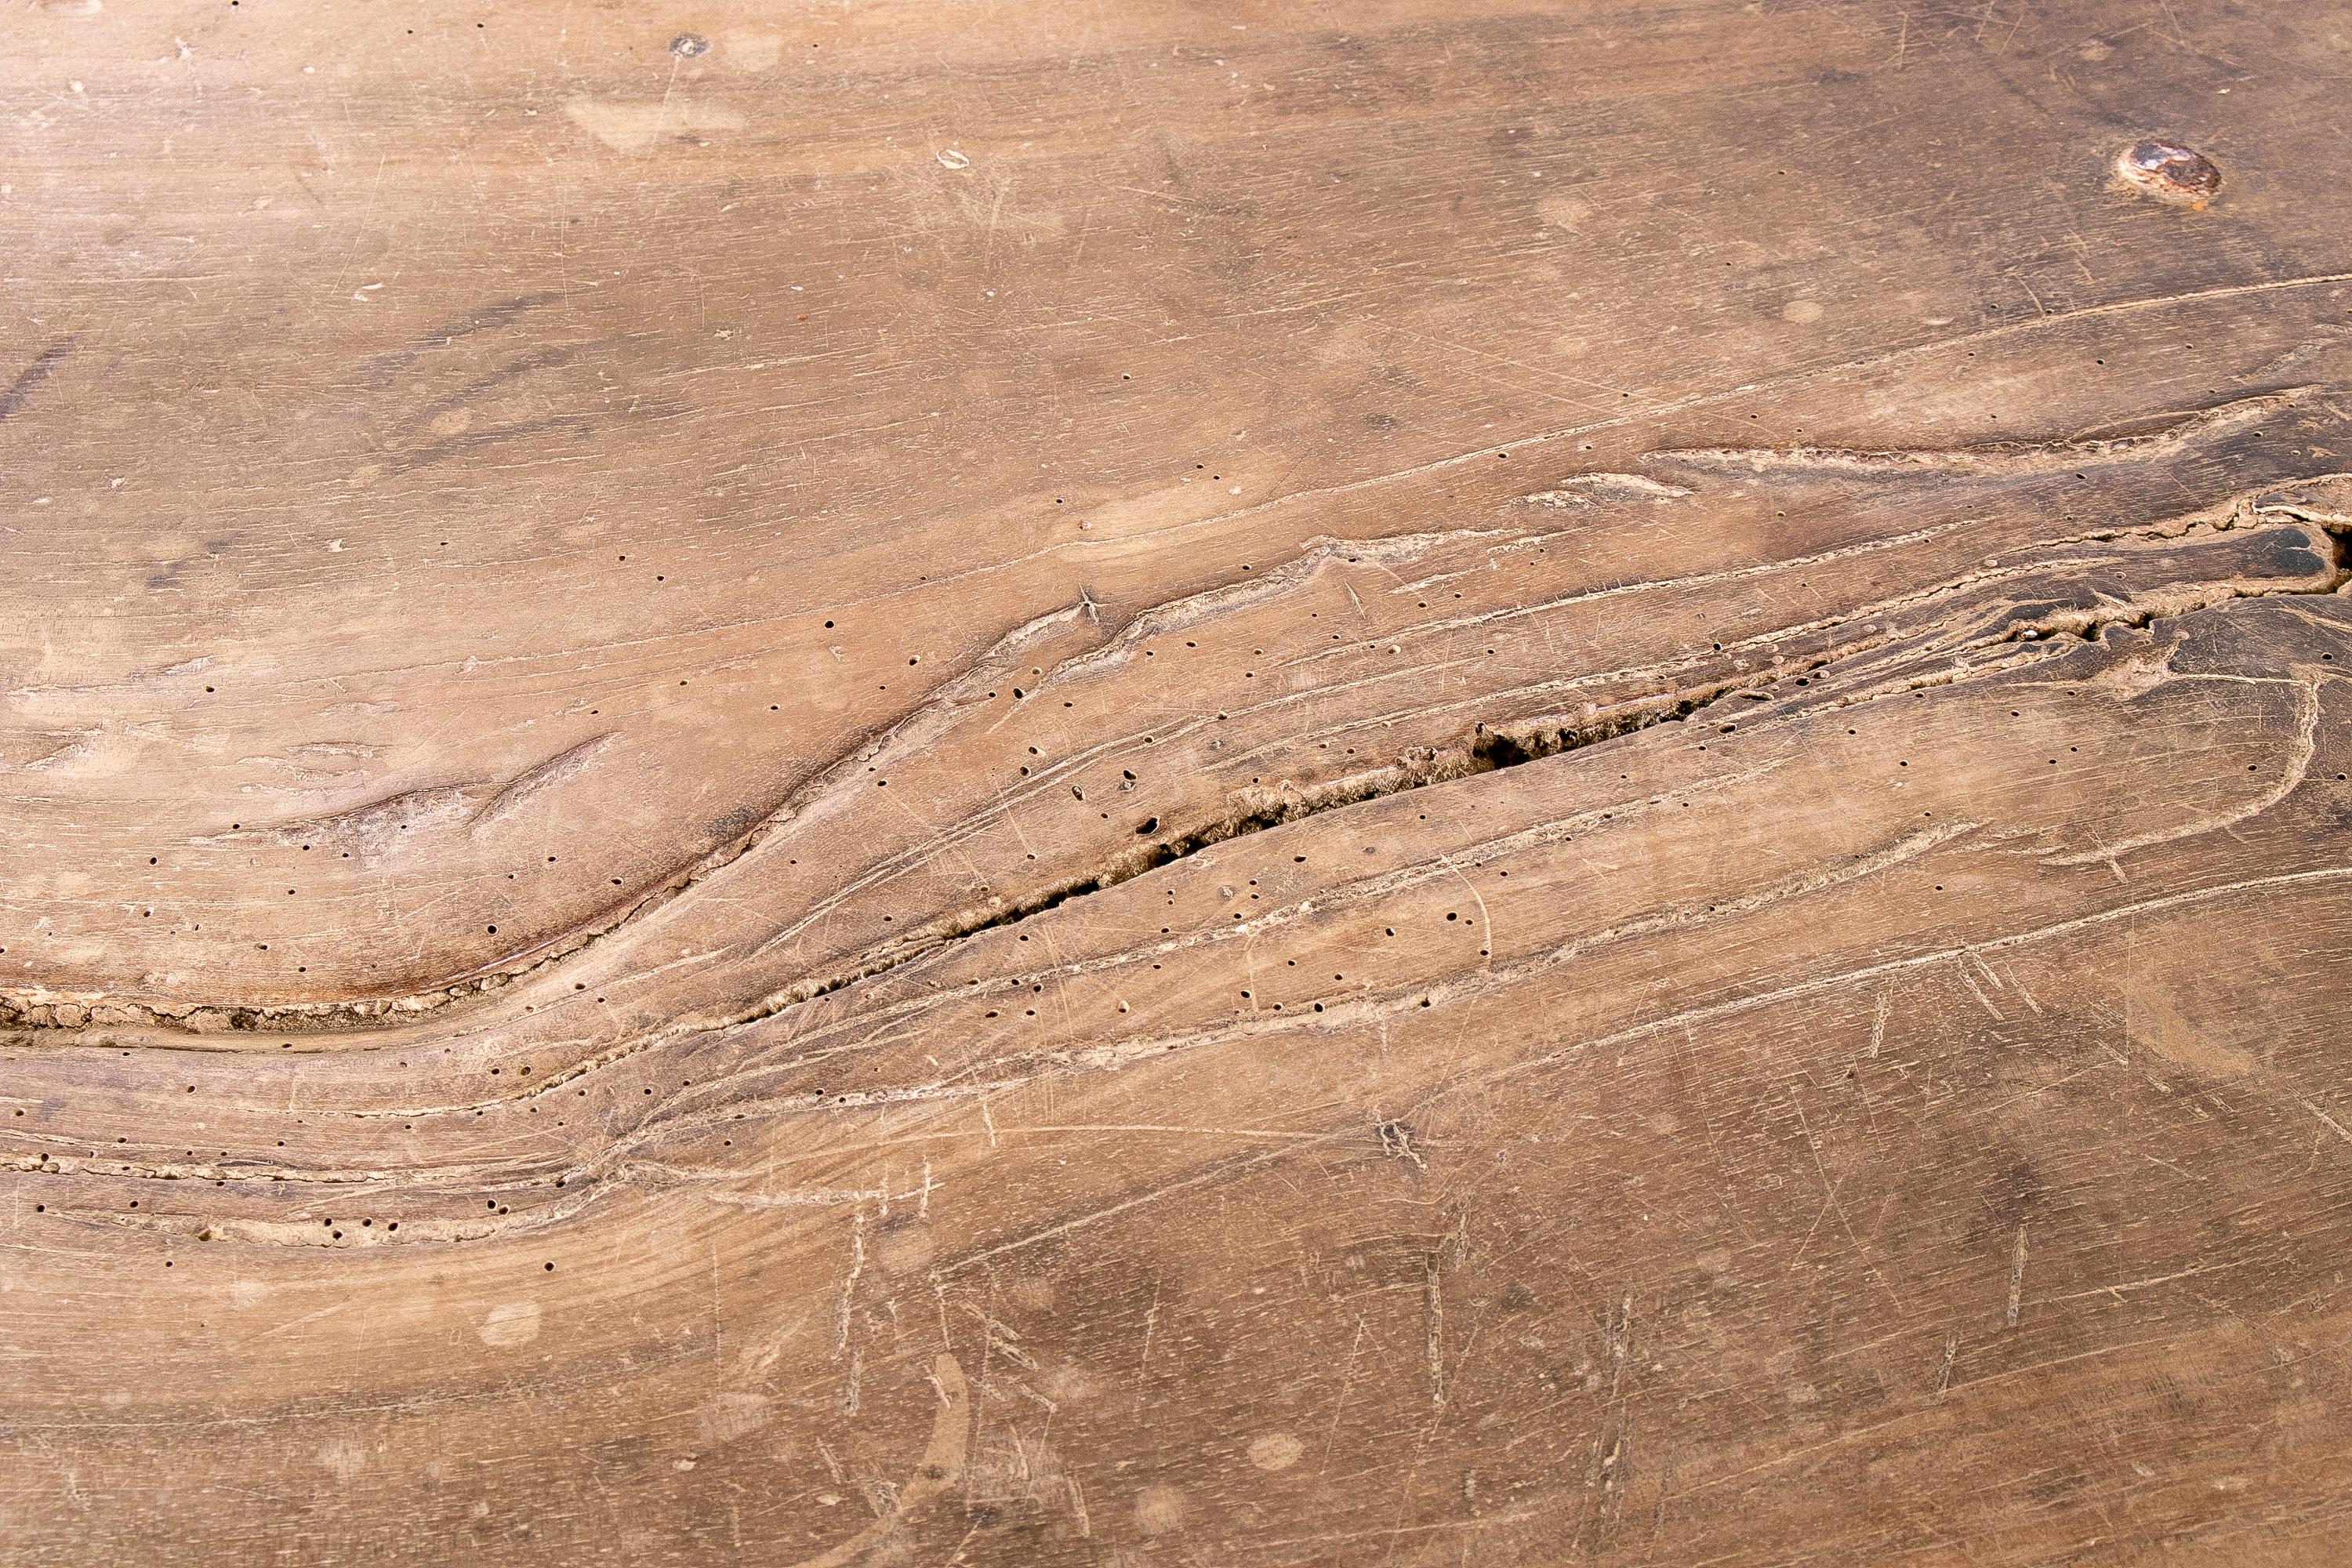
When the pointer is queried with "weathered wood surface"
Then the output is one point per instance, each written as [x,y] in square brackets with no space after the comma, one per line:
[937,783]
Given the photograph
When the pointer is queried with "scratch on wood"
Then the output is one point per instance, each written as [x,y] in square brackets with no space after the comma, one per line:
[2005,458]
[1150,1323]
[28,380]
[2016,1277]
[1433,1306]
[850,1285]
[2297,763]
[942,1467]
[531,780]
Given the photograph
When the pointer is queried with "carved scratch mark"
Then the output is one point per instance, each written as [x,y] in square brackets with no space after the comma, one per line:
[2299,753]
[2000,460]
[564,764]
[1346,1383]
[2333,1125]
[1433,1298]
[941,1467]
[2016,1279]
[841,1316]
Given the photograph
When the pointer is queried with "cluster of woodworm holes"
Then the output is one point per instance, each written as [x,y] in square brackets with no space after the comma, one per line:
[1147,826]
[1247,994]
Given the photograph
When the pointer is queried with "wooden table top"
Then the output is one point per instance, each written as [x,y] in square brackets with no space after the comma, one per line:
[977,783]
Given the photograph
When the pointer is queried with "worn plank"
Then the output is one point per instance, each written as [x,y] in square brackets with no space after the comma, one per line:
[976,784]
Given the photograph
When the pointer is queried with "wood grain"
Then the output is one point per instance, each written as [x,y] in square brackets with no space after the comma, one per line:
[1001,784]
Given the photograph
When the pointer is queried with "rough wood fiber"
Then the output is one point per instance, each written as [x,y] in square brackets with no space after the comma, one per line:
[1016,784]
